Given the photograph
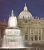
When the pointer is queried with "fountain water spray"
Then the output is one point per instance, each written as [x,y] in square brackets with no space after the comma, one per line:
[12,37]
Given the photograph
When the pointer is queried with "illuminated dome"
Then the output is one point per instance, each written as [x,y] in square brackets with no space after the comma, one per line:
[25,14]
[12,22]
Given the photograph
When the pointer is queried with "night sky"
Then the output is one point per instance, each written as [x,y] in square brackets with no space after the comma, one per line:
[36,7]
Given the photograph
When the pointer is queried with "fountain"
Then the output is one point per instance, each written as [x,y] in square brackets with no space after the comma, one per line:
[12,37]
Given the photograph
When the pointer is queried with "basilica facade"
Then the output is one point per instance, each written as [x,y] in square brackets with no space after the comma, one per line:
[32,28]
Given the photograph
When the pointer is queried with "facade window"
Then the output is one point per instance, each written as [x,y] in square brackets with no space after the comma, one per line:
[35,34]
[32,36]
[26,37]
[36,37]
[39,36]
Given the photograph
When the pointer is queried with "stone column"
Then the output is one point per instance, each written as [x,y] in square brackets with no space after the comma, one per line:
[41,34]
[30,34]
[33,35]
[38,33]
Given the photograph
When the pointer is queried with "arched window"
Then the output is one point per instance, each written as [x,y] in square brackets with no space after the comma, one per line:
[26,37]
[36,37]
[39,36]
[32,36]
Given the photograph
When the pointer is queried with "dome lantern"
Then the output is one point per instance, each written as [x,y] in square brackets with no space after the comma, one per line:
[25,8]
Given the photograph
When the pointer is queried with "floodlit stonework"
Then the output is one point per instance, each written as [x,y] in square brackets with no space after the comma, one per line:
[32,28]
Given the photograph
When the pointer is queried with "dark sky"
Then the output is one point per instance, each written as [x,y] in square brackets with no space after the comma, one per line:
[36,7]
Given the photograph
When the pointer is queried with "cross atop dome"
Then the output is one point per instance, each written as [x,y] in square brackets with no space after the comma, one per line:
[25,4]
[12,13]
[25,7]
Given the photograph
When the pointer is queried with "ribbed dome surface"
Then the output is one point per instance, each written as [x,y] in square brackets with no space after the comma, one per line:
[25,14]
